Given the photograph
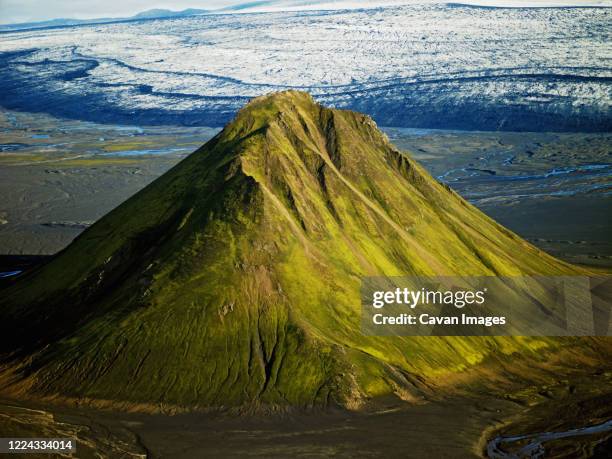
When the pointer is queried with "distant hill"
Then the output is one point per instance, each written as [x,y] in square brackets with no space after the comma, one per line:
[61,22]
[234,278]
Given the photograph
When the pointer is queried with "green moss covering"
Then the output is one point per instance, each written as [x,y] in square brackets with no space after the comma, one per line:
[234,278]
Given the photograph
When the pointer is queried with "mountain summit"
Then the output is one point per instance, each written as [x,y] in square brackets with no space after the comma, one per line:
[234,278]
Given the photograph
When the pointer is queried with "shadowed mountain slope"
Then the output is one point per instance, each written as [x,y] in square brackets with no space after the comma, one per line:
[234,278]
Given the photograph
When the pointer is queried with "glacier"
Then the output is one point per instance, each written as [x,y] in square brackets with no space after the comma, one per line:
[445,66]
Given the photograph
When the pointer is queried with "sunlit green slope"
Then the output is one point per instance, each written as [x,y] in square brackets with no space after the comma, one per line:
[234,278]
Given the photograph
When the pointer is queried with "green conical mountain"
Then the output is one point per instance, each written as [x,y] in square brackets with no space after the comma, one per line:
[234,278]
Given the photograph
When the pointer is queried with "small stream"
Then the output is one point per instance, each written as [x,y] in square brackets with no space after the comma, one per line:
[534,449]
[463,173]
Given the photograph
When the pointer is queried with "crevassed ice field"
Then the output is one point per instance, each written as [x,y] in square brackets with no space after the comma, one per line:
[434,66]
